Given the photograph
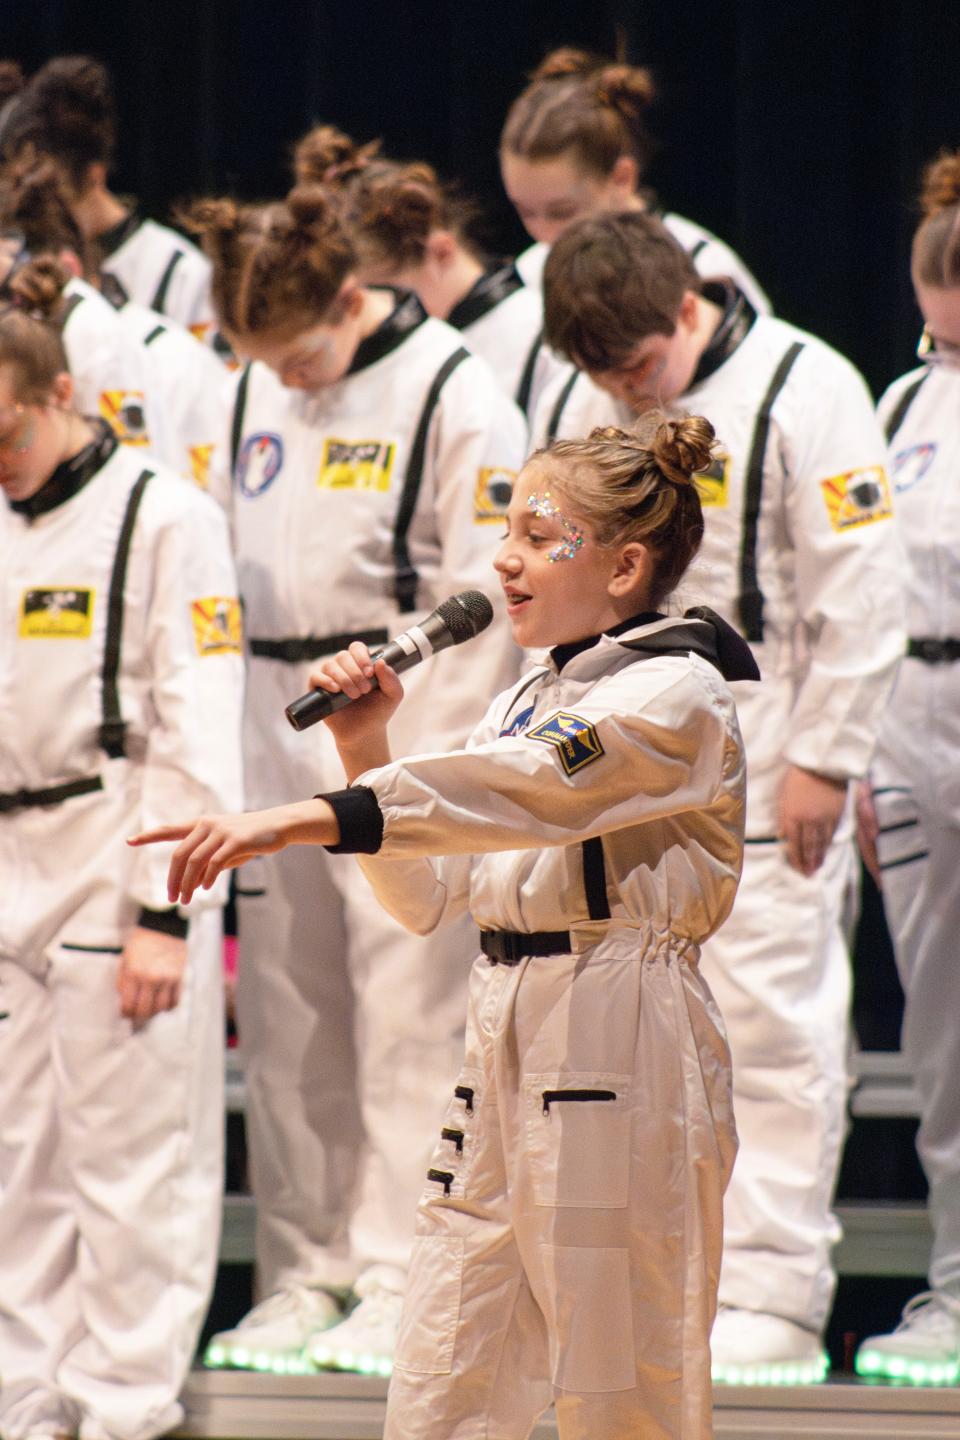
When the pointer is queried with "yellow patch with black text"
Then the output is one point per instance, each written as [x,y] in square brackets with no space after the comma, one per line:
[61,614]
[492,493]
[217,627]
[714,482]
[200,456]
[575,740]
[858,497]
[124,413]
[356,465]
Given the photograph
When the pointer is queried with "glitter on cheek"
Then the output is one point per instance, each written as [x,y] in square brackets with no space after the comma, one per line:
[544,507]
[26,438]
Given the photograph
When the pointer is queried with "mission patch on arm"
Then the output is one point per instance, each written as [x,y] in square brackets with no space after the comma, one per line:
[575,740]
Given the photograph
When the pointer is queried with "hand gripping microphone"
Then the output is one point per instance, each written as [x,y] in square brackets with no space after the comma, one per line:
[457,619]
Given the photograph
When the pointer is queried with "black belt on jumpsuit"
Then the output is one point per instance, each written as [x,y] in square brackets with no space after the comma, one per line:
[934,652]
[312,647]
[509,947]
[29,799]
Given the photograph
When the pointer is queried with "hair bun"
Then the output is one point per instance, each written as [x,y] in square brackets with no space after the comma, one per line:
[683,448]
[327,156]
[941,183]
[211,219]
[312,211]
[12,79]
[37,286]
[564,62]
[629,88]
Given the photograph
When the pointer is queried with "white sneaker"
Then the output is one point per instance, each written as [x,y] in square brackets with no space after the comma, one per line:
[924,1349]
[366,1340]
[749,1347]
[273,1335]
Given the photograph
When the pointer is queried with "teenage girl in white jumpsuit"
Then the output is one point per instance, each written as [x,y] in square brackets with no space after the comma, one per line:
[66,112]
[373,462]
[915,781]
[120,691]
[574,144]
[800,554]
[569,1234]
[412,232]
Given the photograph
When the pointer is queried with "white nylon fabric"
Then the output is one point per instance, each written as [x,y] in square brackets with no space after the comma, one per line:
[139,264]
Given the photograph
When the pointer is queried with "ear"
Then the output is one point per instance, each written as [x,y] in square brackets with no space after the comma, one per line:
[688,313]
[351,297]
[96,177]
[625,176]
[632,572]
[61,391]
[70,260]
[441,247]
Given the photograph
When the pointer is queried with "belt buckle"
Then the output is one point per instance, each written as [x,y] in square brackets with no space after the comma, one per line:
[933,651]
[513,949]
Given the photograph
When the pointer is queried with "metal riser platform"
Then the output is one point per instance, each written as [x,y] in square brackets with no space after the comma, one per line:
[237,1405]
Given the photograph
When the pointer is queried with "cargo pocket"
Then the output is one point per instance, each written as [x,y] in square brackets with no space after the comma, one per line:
[431,1307]
[455,1154]
[589,1318]
[577,1127]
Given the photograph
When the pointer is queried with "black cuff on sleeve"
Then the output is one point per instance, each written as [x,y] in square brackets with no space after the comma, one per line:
[360,819]
[168,922]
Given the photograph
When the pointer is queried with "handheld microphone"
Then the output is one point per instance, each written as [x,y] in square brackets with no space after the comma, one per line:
[457,619]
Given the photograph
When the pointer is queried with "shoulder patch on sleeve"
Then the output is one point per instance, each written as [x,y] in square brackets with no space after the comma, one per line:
[857,497]
[575,740]
[124,412]
[491,494]
[217,628]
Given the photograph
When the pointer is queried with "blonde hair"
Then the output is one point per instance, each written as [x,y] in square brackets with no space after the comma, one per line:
[640,485]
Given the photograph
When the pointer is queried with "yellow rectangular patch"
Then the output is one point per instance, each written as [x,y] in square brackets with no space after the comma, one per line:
[858,497]
[217,627]
[124,413]
[491,494]
[200,456]
[356,465]
[56,614]
[714,482]
[576,741]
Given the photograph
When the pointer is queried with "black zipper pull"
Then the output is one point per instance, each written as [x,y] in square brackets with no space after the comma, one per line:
[442,1177]
[455,1135]
[463,1092]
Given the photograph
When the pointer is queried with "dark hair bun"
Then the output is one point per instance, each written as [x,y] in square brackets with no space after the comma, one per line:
[37,286]
[12,79]
[628,88]
[327,156]
[211,219]
[563,62]
[941,184]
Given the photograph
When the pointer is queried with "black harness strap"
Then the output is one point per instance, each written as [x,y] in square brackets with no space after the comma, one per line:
[556,415]
[595,879]
[113,729]
[51,795]
[405,584]
[155,334]
[902,406]
[522,396]
[236,427]
[69,306]
[701,244]
[750,600]
[160,296]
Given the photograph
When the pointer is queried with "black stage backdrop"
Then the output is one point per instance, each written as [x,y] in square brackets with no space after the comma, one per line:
[794,128]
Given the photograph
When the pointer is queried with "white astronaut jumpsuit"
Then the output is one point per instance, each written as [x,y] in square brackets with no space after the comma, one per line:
[799,553]
[916,783]
[110,1132]
[161,269]
[337,1006]
[501,319]
[568,1241]
[711,257]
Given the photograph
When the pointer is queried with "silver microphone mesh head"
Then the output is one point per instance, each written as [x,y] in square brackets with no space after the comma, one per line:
[466,614]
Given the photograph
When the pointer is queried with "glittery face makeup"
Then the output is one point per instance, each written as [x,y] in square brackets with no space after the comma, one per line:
[544,506]
[17,432]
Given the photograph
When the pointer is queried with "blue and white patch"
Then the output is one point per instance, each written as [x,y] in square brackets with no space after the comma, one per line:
[519,723]
[575,740]
[259,463]
[910,466]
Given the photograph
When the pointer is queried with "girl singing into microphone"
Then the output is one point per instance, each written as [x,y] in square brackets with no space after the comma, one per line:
[372,459]
[569,1236]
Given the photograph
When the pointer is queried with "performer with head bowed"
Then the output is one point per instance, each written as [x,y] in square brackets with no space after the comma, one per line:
[120,688]
[910,828]
[574,144]
[414,232]
[373,459]
[569,1233]
[799,554]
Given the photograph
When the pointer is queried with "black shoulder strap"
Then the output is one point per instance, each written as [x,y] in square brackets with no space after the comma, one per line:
[522,396]
[750,601]
[69,305]
[405,584]
[155,334]
[595,879]
[902,406]
[113,729]
[236,428]
[553,425]
[160,296]
[701,244]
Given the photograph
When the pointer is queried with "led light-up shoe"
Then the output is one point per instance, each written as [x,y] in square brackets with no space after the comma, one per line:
[749,1347]
[924,1349]
[366,1340]
[273,1335]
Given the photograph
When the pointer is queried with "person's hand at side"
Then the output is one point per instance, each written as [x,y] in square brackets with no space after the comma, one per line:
[810,810]
[150,973]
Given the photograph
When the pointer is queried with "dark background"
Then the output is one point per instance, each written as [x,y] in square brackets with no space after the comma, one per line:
[794,128]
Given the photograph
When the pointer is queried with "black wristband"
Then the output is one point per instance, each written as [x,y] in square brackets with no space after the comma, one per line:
[360,819]
[166,922]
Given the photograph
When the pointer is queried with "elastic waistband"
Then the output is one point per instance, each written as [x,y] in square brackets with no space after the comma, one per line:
[509,947]
[312,647]
[934,652]
[30,799]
